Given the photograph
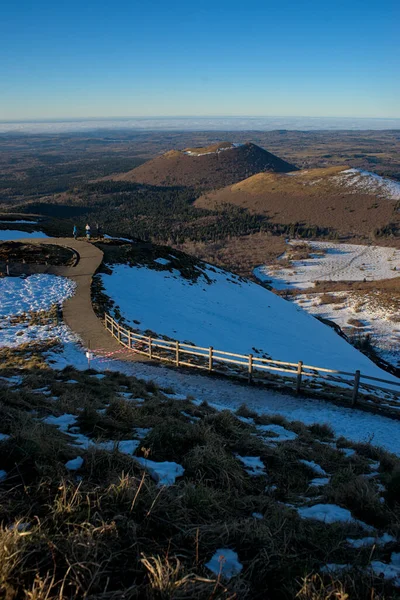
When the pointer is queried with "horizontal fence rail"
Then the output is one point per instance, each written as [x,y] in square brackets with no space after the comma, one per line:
[353,387]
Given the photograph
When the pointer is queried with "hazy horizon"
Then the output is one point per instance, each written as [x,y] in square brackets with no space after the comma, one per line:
[196,123]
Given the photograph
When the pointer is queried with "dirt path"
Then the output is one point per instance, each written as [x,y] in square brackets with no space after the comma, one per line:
[78,311]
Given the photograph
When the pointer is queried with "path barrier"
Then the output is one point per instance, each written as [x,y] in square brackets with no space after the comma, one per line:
[302,378]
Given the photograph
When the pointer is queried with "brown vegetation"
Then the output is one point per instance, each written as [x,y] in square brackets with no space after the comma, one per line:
[238,254]
[37,254]
[207,170]
[314,197]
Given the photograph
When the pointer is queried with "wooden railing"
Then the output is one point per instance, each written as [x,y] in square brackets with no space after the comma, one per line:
[354,387]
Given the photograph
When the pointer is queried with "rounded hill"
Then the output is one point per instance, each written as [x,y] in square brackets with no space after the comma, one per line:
[210,167]
[348,201]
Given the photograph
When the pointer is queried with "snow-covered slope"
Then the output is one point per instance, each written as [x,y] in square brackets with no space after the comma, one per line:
[229,314]
[367,182]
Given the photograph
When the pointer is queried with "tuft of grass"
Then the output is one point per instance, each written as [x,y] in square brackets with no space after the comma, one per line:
[322,431]
[360,496]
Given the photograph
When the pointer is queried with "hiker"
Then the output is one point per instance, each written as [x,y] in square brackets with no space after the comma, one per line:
[87,231]
[75,232]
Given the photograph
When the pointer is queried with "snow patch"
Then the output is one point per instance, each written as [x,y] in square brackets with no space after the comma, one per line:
[314,467]
[282,434]
[329,513]
[13,234]
[74,464]
[225,562]
[164,473]
[369,541]
[389,571]
[253,464]
[367,182]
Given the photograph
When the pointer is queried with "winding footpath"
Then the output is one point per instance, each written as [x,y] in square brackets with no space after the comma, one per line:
[78,311]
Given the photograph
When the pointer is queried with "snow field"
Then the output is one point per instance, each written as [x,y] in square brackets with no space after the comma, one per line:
[341,262]
[20,295]
[12,336]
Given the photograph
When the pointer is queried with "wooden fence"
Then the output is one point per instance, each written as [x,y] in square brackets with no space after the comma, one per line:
[352,387]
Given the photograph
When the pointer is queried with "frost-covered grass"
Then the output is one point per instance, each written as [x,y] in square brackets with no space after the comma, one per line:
[358,314]
[207,529]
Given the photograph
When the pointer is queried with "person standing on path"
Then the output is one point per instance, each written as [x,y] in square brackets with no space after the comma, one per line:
[75,232]
[87,231]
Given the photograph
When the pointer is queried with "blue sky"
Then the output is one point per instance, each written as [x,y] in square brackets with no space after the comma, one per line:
[304,57]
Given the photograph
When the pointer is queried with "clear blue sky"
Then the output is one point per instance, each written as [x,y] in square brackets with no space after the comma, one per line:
[72,58]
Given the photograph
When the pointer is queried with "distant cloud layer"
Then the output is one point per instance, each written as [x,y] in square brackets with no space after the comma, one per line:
[197,124]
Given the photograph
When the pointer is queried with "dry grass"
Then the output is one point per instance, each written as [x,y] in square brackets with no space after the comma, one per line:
[314,197]
[239,255]
[108,531]
[331,299]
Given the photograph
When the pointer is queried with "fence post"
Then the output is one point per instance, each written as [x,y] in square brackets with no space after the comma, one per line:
[105,320]
[119,333]
[112,327]
[355,388]
[129,340]
[250,374]
[177,353]
[150,349]
[210,358]
[299,371]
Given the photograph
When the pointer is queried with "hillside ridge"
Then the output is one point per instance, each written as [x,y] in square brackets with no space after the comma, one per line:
[349,201]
